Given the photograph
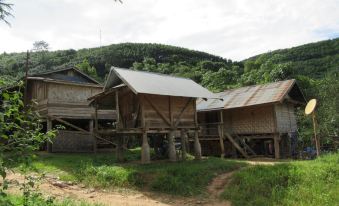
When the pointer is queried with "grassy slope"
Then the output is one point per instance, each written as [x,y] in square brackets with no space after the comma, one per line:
[313,182]
[101,170]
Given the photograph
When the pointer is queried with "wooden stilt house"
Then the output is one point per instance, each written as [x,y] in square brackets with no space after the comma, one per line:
[251,121]
[149,103]
[61,97]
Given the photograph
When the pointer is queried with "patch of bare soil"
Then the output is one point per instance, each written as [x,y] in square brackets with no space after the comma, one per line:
[52,186]
[217,186]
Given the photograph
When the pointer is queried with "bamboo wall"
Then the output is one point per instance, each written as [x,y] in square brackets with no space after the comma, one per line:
[286,120]
[73,141]
[66,100]
[251,120]
[264,119]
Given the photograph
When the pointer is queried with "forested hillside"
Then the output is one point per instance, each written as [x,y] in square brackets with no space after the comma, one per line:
[101,59]
[315,66]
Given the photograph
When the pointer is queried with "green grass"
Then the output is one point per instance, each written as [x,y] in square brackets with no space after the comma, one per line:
[102,171]
[17,200]
[313,182]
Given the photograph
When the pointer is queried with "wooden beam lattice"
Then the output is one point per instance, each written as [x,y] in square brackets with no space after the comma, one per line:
[158,111]
[182,112]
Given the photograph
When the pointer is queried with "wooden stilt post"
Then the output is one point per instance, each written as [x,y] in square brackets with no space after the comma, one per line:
[221,140]
[91,130]
[145,150]
[49,127]
[171,147]
[96,128]
[221,134]
[183,144]
[276,146]
[120,149]
[197,146]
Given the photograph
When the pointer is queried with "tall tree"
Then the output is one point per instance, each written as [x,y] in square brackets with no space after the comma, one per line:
[5,11]
[40,46]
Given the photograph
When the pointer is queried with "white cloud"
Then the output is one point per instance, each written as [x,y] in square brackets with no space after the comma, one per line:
[234,29]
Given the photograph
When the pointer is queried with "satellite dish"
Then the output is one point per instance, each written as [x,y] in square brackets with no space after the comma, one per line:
[310,106]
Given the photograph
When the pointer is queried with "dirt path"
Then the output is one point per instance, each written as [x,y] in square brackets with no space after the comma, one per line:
[218,184]
[51,186]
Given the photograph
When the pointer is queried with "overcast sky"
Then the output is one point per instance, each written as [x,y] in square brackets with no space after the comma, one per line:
[234,29]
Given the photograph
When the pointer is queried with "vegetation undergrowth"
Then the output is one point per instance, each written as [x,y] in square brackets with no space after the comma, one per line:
[314,182]
[16,200]
[101,171]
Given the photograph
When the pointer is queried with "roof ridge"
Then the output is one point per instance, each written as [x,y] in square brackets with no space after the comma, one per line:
[149,72]
[256,85]
[65,69]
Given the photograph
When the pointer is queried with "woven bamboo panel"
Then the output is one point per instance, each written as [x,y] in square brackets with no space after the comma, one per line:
[254,120]
[286,120]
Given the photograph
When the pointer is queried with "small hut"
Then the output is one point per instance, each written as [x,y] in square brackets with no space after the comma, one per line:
[255,120]
[147,104]
[61,97]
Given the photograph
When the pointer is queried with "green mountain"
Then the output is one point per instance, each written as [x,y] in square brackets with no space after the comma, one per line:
[315,66]
[120,55]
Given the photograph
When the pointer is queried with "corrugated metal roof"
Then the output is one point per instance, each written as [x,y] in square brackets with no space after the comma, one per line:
[248,96]
[57,74]
[160,84]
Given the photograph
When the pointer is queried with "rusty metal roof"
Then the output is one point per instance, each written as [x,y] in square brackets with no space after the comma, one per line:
[248,96]
[141,82]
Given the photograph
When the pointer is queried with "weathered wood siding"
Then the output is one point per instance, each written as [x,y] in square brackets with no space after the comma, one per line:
[70,101]
[286,120]
[128,106]
[37,90]
[171,108]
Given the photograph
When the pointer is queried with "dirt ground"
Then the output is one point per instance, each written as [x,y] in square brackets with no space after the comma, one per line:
[52,186]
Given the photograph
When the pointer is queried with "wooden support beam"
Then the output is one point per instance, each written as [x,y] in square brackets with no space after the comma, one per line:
[145,150]
[171,146]
[236,145]
[158,111]
[183,135]
[221,134]
[91,130]
[96,128]
[276,146]
[117,110]
[119,149]
[197,146]
[221,140]
[79,129]
[170,112]
[182,112]
[246,146]
[142,112]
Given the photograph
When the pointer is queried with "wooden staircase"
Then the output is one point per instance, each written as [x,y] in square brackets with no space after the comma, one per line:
[240,145]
